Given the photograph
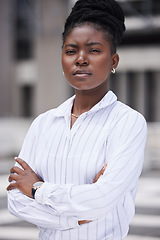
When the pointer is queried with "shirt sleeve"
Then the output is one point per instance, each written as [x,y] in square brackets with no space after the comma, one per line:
[125,153]
[28,209]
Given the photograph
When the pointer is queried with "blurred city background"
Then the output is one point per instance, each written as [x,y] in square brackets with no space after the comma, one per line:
[31,82]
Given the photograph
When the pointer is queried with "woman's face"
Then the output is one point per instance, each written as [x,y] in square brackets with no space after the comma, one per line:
[86,58]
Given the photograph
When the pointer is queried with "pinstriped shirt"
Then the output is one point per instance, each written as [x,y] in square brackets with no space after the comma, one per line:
[68,159]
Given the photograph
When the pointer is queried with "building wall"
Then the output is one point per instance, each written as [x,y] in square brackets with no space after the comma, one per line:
[137,82]
[5,59]
[31,79]
[51,88]
[31,76]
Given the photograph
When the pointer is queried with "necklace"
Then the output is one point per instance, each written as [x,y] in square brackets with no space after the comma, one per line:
[74,115]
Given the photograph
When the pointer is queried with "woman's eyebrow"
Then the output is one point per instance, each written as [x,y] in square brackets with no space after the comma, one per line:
[93,43]
[87,44]
[71,45]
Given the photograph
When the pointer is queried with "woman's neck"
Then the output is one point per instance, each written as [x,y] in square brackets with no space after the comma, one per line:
[85,100]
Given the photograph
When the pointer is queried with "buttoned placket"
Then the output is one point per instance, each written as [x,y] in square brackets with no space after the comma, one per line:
[70,133]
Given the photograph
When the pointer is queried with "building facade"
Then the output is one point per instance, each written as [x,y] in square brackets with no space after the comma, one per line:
[31,79]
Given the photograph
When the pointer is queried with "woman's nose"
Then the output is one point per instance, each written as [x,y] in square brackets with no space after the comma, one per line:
[81,60]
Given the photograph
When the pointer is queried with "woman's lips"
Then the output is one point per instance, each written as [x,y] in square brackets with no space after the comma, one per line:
[82,73]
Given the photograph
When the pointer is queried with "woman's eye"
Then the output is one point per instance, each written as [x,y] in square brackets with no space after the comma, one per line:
[70,52]
[94,50]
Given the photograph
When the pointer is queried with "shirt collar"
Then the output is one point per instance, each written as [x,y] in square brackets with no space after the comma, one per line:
[65,108]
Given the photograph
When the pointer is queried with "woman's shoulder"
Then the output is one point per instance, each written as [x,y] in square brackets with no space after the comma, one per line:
[51,114]
[129,115]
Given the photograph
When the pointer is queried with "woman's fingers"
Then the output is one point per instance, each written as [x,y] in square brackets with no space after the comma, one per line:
[104,168]
[12,177]
[23,164]
[22,177]
[100,173]
[16,169]
[11,186]
[83,222]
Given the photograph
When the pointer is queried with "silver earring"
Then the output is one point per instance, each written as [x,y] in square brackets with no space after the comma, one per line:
[113,70]
[63,73]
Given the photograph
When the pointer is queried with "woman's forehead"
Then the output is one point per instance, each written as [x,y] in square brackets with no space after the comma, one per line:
[87,32]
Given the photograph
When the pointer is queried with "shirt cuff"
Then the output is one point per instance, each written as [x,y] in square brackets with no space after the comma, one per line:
[68,222]
[39,196]
[65,222]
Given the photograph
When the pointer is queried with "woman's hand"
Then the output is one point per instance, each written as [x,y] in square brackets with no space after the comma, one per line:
[94,181]
[23,178]
[26,177]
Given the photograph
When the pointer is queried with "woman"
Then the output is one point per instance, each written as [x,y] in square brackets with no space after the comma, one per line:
[82,161]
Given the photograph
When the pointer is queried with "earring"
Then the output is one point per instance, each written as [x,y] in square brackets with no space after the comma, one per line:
[63,73]
[113,70]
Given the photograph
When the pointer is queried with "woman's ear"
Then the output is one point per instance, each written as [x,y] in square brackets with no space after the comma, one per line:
[115,60]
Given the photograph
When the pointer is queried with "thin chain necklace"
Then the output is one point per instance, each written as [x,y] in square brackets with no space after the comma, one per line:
[73,115]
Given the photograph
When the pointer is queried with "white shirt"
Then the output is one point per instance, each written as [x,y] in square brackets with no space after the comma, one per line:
[68,159]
